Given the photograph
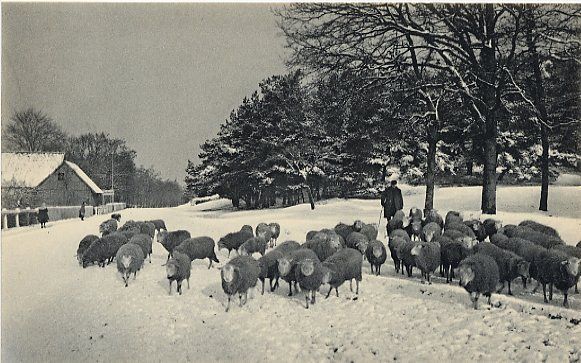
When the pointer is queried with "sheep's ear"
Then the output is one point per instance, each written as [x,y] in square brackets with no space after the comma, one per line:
[564,263]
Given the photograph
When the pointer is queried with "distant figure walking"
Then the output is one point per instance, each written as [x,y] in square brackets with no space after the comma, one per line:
[82,212]
[43,215]
[391,200]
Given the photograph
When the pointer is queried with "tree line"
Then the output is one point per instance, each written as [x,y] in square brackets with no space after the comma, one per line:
[488,92]
[107,160]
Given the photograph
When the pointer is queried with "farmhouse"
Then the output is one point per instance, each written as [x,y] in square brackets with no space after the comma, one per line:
[30,179]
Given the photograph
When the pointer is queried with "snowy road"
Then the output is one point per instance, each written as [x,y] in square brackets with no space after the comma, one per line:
[53,310]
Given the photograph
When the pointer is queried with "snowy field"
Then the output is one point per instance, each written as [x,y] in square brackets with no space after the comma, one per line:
[55,311]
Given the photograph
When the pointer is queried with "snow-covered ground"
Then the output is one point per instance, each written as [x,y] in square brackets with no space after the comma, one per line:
[55,311]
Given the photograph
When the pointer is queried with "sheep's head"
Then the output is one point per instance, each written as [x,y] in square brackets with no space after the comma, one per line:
[284,266]
[161,236]
[406,221]
[242,250]
[468,242]
[429,235]
[229,273]
[377,251]
[171,268]
[522,268]
[417,227]
[571,266]
[126,261]
[417,250]
[307,267]
[357,225]
[362,246]
[465,273]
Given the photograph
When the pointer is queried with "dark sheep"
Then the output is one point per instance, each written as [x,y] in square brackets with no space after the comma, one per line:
[114,241]
[84,245]
[344,230]
[198,248]
[333,237]
[461,227]
[414,230]
[178,269]
[233,241]
[344,265]
[357,241]
[479,275]
[398,221]
[129,260]
[400,233]
[432,216]
[452,217]
[571,251]
[97,252]
[376,255]
[370,231]
[159,224]
[239,275]
[322,246]
[557,269]
[108,227]
[247,228]
[416,214]
[451,255]
[395,243]
[508,230]
[431,231]
[252,245]
[404,254]
[427,258]
[275,232]
[130,225]
[287,264]
[491,226]
[310,235]
[538,238]
[510,265]
[539,227]
[497,238]
[145,242]
[147,228]
[310,275]
[128,234]
[263,230]
[453,234]
[529,251]
[116,216]
[269,262]
[358,225]
[478,228]
[170,240]
[578,244]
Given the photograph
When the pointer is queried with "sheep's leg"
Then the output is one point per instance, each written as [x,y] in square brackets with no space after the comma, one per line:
[149,257]
[565,302]
[229,253]
[356,287]
[499,290]
[509,289]
[551,291]
[188,280]
[168,255]
[378,269]
[272,288]
[475,300]
[307,299]
[170,282]
[296,289]
[290,289]
[489,297]
[228,305]
[351,285]
[240,297]
[313,293]
[524,282]
[545,292]
[337,291]
[245,297]
[371,268]
[134,274]
[329,293]
[262,281]
[179,287]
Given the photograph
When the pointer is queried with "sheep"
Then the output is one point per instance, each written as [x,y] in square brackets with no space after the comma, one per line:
[453,234]
[478,229]
[252,245]
[497,238]
[452,217]
[395,243]
[128,234]
[376,255]
[508,230]
[538,238]
[451,255]
[310,275]
[398,221]
[433,216]
[461,227]
[343,230]
[414,230]
[130,225]
[145,242]
[116,216]
[357,241]
[269,262]
[427,257]
[233,241]
[358,225]
[113,241]
[344,265]
[540,228]
[578,245]
[159,224]
[287,263]
[529,251]
[370,231]
[333,237]
[404,254]
[491,226]
[510,265]
[170,240]
[416,214]
[558,269]
[430,231]
[400,233]
[178,269]
[275,230]
[239,275]
[263,230]
[129,260]
[572,251]
[479,275]
[198,248]
[322,246]
[147,228]
[310,235]
[247,228]
[84,245]
[107,227]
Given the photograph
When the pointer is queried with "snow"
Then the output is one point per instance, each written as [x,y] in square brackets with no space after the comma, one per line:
[28,170]
[55,311]
[84,177]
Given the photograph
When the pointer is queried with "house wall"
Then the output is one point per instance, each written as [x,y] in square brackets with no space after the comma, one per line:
[71,190]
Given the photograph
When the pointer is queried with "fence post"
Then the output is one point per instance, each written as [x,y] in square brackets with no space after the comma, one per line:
[28,216]
[4,219]
[17,218]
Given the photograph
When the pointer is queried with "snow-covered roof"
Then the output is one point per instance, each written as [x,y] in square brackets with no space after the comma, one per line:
[85,178]
[28,170]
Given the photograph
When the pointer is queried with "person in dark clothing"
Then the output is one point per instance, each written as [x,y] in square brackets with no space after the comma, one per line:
[391,200]
[43,215]
[82,212]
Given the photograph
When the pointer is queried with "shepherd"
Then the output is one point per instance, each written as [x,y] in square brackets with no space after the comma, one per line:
[43,215]
[82,212]
[391,200]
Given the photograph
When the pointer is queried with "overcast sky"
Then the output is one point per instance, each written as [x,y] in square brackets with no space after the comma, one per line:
[161,76]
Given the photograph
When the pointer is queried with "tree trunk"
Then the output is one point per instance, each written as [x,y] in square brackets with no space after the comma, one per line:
[431,167]
[544,203]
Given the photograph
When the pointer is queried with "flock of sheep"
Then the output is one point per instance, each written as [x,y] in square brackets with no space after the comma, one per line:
[456,247]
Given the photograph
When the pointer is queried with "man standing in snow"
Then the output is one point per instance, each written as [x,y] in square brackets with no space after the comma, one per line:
[391,200]
[82,212]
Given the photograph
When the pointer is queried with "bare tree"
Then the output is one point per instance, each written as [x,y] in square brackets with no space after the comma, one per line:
[33,131]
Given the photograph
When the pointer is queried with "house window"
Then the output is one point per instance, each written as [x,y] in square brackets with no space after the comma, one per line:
[61,176]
